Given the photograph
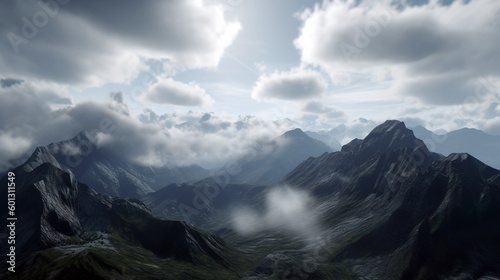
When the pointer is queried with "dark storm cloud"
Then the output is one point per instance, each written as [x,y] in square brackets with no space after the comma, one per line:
[5,83]
[96,42]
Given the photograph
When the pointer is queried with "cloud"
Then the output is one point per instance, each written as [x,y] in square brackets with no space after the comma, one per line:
[11,147]
[5,83]
[433,53]
[94,43]
[493,126]
[175,139]
[285,208]
[168,91]
[317,107]
[295,85]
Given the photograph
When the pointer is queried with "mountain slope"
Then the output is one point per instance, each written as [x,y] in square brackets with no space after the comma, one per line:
[391,209]
[64,223]
[271,161]
[110,175]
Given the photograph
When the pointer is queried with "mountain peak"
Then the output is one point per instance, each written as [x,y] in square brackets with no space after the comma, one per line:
[389,125]
[40,155]
[295,133]
[390,135]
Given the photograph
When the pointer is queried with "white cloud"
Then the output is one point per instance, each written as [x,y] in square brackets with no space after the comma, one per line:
[295,85]
[11,147]
[179,138]
[285,208]
[169,91]
[317,107]
[94,43]
[433,53]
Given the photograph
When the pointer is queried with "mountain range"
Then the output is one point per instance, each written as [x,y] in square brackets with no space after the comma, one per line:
[479,144]
[66,230]
[383,207]
[111,175]
[268,162]
[394,210]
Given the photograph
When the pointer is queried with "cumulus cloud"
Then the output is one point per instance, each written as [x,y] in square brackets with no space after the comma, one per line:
[93,43]
[295,85]
[317,107]
[169,91]
[432,52]
[286,208]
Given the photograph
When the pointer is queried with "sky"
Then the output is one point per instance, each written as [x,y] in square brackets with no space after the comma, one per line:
[201,81]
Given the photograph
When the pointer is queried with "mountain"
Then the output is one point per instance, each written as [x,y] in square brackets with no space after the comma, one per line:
[327,138]
[65,229]
[270,161]
[479,144]
[384,207]
[111,175]
[206,203]
[391,209]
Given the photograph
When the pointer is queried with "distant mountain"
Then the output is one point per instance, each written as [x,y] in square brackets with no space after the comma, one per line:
[479,144]
[180,201]
[66,230]
[110,175]
[392,209]
[326,138]
[269,162]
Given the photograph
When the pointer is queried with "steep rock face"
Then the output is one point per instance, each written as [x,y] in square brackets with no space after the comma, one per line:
[48,203]
[461,236]
[394,210]
[164,238]
[108,174]
[388,151]
[54,209]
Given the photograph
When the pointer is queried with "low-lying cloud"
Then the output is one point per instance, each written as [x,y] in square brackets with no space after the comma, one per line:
[175,139]
[285,208]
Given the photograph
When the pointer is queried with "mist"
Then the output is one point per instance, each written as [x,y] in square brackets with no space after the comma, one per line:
[285,208]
